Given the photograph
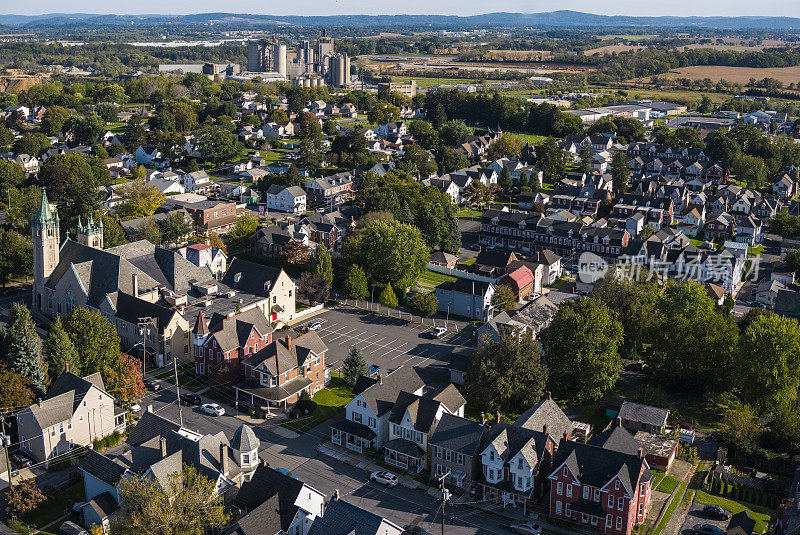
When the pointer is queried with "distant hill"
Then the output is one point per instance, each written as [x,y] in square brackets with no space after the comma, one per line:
[554,19]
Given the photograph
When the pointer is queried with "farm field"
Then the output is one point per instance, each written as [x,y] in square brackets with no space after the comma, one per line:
[425,82]
[610,49]
[742,75]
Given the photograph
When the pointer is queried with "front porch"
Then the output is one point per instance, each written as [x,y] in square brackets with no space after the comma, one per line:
[280,397]
[352,436]
[404,454]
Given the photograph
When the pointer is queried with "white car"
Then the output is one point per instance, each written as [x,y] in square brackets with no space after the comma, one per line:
[386,478]
[212,408]
[439,332]
[135,407]
[526,527]
[314,325]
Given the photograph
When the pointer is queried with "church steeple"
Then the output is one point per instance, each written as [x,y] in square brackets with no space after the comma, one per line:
[90,234]
[46,237]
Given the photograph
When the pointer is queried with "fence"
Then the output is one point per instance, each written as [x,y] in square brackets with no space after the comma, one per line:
[405,315]
[460,274]
[309,310]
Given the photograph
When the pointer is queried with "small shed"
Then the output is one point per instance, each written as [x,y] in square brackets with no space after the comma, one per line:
[658,451]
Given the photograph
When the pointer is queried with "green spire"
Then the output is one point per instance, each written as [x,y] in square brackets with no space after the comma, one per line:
[44,209]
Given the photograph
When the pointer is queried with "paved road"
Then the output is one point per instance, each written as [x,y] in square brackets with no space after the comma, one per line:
[385,341]
[695,516]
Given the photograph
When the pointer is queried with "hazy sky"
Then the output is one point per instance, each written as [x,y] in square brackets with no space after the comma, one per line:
[790,8]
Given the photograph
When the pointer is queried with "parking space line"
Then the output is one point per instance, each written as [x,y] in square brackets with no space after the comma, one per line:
[338,335]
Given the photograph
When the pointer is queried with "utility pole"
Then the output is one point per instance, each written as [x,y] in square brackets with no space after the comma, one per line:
[445,495]
[177,389]
[6,439]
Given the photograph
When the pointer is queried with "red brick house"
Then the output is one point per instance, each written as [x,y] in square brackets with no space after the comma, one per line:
[275,375]
[600,487]
[521,281]
[222,344]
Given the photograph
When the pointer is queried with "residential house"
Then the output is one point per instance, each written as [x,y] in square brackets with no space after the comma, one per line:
[467,298]
[521,281]
[784,188]
[330,191]
[365,425]
[286,199]
[277,374]
[531,319]
[599,487]
[342,518]
[551,263]
[638,417]
[145,154]
[274,503]
[75,412]
[223,344]
[197,182]
[454,450]
[204,255]
[274,289]
[272,240]
[443,259]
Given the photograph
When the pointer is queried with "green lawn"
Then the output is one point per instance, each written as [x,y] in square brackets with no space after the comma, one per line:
[696,242]
[671,509]
[469,261]
[658,475]
[668,484]
[330,402]
[533,139]
[463,212]
[434,278]
[755,251]
[56,505]
[760,514]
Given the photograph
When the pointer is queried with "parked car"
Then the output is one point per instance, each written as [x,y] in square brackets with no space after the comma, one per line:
[439,332]
[715,511]
[707,529]
[20,460]
[190,398]
[314,325]
[285,472]
[212,408]
[384,477]
[525,526]
[152,384]
[415,530]
[135,408]
[374,369]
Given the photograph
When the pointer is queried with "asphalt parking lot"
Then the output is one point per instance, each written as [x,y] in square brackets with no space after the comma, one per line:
[384,341]
[695,516]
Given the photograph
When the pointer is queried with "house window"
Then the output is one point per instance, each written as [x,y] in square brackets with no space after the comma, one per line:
[460,458]
[357,417]
[53,431]
[641,509]
[611,501]
[519,463]
[586,492]
[620,503]
[371,421]
[619,522]
[567,510]
[597,495]
[641,490]
[558,507]
[616,484]
[69,424]
[609,521]
[566,472]
[559,488]
[569,490]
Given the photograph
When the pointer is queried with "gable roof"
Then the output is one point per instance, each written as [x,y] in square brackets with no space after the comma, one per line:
[457,434]
[546,413]
[276,492]
[79,386]
[637,412]
[509,440]
[598,466]
[151,425]
[101,467]
[342,518]
[382,396]
[284,353]
[233,332]
[616,438]
[252,277]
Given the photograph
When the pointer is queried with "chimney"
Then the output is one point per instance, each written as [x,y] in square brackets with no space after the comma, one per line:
[288,340]
[544,429]
[150,408]
[223,459]
[39,401]
[135,283]
[264,463]
[336,494]
[641,453]
[618,421]
[498,417]
[549,394]
[163,442]
[483,418]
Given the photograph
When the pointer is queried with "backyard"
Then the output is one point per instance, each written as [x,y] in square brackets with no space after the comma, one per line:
[330,402]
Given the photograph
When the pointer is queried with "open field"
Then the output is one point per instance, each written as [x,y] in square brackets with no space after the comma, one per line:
[627,37]
[742,75]
[610,49]
[425,82]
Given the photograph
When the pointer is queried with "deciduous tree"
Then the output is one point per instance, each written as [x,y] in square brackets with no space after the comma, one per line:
[355,285]
[60,351]
[424,304]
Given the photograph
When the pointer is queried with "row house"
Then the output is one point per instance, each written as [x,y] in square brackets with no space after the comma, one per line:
[577,205]
[392,415]
[574,143]
[659,212]
[276,375]
[331,190]
[516,168]
[328,229]
[704,171]
[272,240]
[534,232]
[656,150]
[600,488]
[223,344]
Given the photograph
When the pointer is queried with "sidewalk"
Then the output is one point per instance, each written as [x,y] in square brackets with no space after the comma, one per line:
[338,453]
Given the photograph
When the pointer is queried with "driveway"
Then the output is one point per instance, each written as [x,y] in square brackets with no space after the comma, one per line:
[695,516]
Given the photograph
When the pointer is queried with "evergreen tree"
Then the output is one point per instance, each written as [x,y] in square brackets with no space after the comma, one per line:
[24,350]
[387,297]
[60,351]
[354,366]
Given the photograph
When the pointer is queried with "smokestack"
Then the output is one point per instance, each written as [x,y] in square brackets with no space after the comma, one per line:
[288,340]
[135,284]
[163,442]
[549,395]
[223,459]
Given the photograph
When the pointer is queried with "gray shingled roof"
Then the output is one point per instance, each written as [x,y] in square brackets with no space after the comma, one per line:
[546,413]
[637,412]
[342,518]
[381,397]
[457,434]
[101,467]
[596,466]
[616,438]
[244,439]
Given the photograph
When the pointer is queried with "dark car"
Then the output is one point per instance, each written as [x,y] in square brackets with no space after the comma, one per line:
[717,512]
[20,460]
[707,529]
[190,398]
[152,384]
